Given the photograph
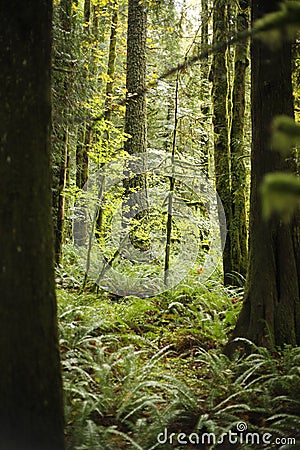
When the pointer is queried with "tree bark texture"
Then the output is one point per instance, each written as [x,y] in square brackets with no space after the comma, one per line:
[66,14]
[111,62]
[112,54]
[136,110]
[238,227]
[87,12]
[220,124]
[31,410]
[59,199]
[135,117]
[271,309]
[204,38]
[82,159]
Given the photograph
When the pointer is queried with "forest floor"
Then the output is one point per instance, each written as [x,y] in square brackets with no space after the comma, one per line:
[137,370]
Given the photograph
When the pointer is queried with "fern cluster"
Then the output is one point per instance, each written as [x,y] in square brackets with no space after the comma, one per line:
[138,367]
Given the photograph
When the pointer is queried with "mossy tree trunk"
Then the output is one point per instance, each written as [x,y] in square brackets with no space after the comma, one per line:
[63,158]
[204,38]
[87,13]
[136,113]
[112,55]
[205,93]
[271,309]
[238,227]
[136,109]
[85,135]
[31,409]
[82,158]
[95,20]
[66,14]
[220,124]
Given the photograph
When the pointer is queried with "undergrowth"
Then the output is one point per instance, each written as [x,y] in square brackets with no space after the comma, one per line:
[137,370]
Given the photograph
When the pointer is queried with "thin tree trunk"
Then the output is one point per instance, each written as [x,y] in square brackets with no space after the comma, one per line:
[87,13]
[95,21]
[66,14]
[204,38]
[111,63]
[61,201]
[108,94]
[31,407]
[82,159]
[205,93]
[171,190]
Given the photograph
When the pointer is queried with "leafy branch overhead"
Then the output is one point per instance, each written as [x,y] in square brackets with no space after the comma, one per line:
[273,28]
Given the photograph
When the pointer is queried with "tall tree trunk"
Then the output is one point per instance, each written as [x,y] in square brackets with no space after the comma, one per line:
[66,14]
[108,93]
[171,190]
[66,23]
[84,140]
[83,146]
[31,409]
[204,38]
[59,231]
[87,13]
[220,124]
[82,159]
[271,309]
[136,111]
[205,93]
[80,230]
[238,228]
[95,21]
[111,62]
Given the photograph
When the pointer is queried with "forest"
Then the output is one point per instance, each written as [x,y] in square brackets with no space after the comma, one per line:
[149,224]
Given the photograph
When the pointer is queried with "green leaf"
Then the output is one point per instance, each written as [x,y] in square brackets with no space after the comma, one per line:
[281,194]
[286,134]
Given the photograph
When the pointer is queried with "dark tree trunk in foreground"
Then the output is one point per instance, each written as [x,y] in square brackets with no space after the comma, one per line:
[271,310]
[31,411]
[238,227]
